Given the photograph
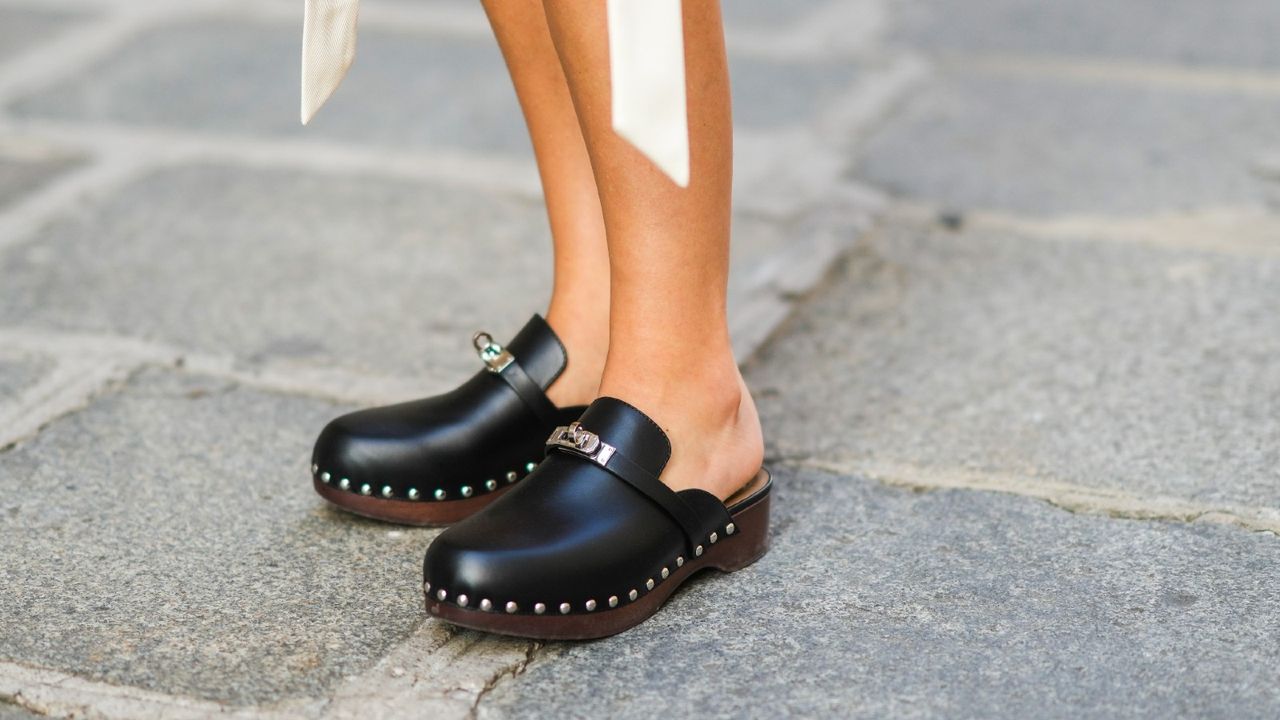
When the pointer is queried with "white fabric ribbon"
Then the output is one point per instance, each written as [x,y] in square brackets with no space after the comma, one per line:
[646,69]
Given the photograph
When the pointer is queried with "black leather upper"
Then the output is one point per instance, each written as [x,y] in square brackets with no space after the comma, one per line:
[471,440]
[574,530]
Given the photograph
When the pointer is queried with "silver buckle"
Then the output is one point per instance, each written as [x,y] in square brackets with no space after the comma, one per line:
[494,356]
[584,442]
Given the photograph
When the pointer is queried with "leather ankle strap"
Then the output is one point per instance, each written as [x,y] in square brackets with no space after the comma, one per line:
[530,392]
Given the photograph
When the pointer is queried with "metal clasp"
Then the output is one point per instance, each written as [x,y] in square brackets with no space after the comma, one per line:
[494,356]
[584,442]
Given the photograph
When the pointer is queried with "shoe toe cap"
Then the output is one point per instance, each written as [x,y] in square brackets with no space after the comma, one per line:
[363,445]
[533,546]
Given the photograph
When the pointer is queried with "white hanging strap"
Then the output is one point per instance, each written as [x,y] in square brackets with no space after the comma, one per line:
[646,67]
[328,48]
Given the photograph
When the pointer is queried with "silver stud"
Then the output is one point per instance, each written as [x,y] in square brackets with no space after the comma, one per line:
[462,601]
[539,608]
[565,608]
[345,484]
[485,605]
[426,586]
[466,491]
[714,538]
[441,594]
[413,493]
[591,605]
[528,467]
[315,469]
[365,489]
[680,561]
[648,584]
[491,485]
[698,551]
[512,607]
[512,476]
[633,595]
[613,601]
[730,528]
[324,477]
[386,491]
[665,573]
[439,494]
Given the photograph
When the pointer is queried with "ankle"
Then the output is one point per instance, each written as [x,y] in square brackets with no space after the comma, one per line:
[586,343]
[707,413]
[677,394]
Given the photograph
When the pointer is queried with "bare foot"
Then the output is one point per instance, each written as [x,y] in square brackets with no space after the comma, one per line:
[716,441]
[586,342]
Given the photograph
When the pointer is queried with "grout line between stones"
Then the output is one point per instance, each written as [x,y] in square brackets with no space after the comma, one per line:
[96,178]
[1072,497]
[1229,230]
[158,146]
[71,387]
[448,681]
[515,670]
[60,694]
[1117,71]
[76,48]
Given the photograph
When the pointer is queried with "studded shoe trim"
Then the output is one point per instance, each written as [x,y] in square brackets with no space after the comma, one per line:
[581,606]
[423,492]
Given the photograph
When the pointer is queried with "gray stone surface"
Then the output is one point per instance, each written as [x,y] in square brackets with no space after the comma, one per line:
[768,95]
[766,14]
[363,273]
[1188,32]
[367,274]
[21,173]
[14,712]
[405,89]
[234,77]
[160,534]
[19,371]
[1108,365]
[21,28]
[877,602]
[1036,145]
[167,538]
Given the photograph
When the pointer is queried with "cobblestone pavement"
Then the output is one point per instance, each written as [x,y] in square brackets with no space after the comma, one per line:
[1005,281]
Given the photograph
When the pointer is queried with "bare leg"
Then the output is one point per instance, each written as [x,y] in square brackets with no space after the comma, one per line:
[669,351]
[579,309]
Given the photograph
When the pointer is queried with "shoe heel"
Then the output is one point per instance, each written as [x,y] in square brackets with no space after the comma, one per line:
[750,541]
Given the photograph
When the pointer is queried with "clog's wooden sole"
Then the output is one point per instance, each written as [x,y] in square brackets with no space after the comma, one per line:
[424,513]
[748,543]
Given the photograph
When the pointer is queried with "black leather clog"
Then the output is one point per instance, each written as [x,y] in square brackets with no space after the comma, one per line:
[592,542]
[437,460]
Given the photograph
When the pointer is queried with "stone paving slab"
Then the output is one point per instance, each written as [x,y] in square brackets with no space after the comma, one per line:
[238,77]
[27,165]
[772,95]
[880,602]
[23,28]
[405,90]
[1184,32]
[1102,364]
[384,276]
[1040,146]
[338,270]
[18,372]
[13,712]
[764,14]
[167,538]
